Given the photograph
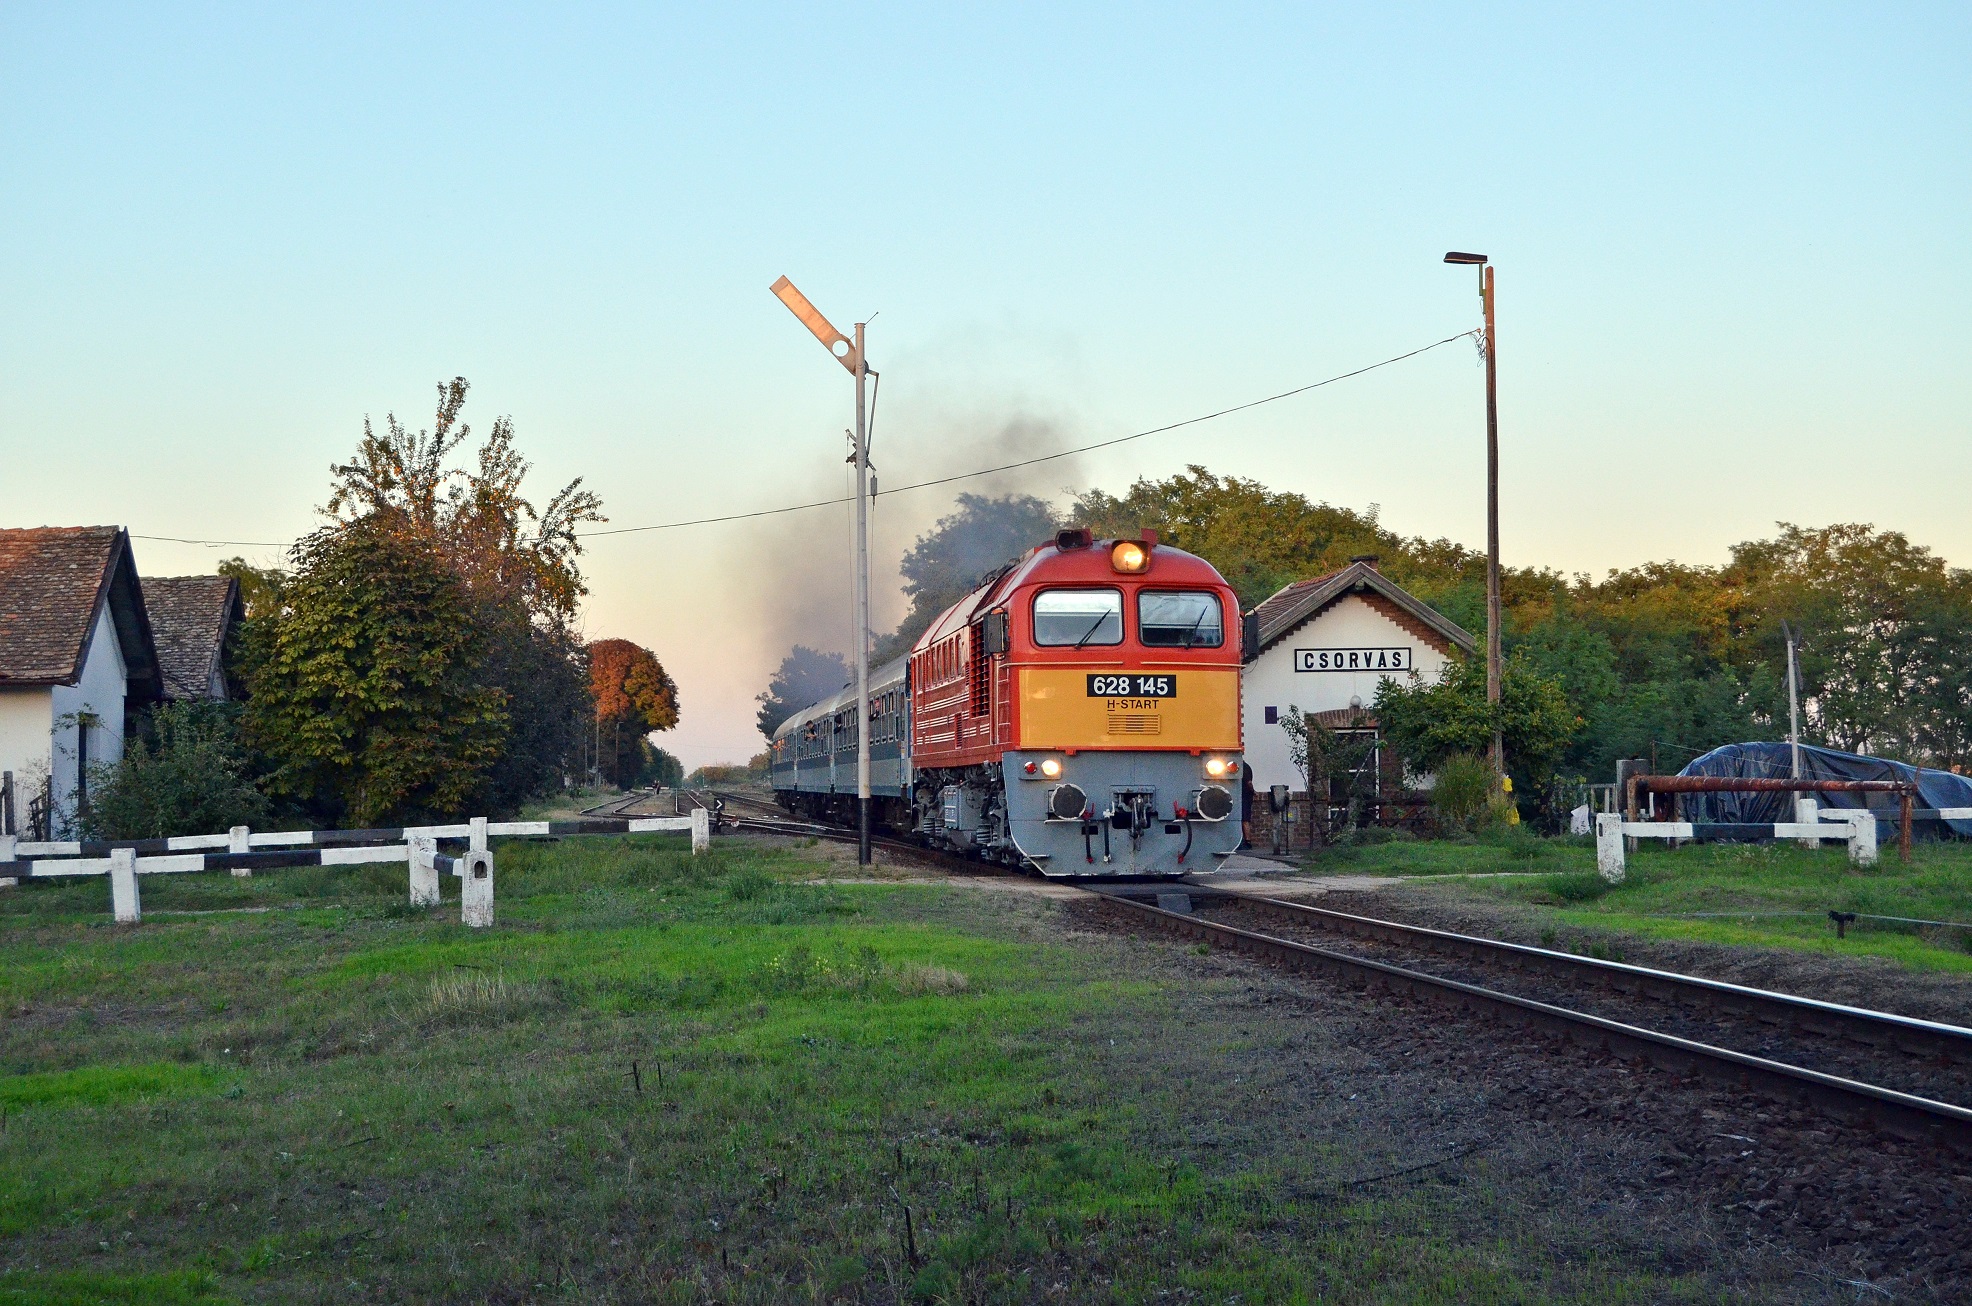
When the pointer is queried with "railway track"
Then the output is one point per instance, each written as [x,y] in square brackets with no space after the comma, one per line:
[618,806]
[1921,1059]
[1909,1114]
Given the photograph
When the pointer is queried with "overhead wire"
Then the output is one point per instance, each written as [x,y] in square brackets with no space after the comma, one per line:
[941,480]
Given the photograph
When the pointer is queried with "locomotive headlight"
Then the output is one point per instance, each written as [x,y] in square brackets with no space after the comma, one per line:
[1129,557]
[1217,767]
[1051,767]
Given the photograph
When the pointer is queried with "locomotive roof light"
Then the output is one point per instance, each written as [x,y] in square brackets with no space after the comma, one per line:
[1129,557]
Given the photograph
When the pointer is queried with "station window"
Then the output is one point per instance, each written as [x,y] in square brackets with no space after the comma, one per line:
[1078,618]
[1179,619]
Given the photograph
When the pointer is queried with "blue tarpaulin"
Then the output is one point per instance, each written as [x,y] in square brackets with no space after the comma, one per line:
[1760,761]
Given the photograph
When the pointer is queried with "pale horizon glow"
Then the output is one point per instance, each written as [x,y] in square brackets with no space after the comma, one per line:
[1730,250]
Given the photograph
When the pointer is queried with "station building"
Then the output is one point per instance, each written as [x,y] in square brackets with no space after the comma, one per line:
[1325,646]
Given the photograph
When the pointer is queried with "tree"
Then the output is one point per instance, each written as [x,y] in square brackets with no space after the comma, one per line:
[661,769]
[260,587]
[1882,624]
[480,517]
[949,561]
[633,695]
[1259,539]
[806,676]
[517,569]
[369,694]
[1427,721]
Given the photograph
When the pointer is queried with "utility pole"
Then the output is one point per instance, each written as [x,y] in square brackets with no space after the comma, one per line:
[849,353]
[862,608]
[1491,344]
[1793,706]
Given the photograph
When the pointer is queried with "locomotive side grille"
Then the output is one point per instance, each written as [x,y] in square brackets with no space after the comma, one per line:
[981,668]
[1135,723]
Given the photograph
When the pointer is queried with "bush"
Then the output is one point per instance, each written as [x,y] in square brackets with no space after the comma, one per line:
[183,776]
[1463,793]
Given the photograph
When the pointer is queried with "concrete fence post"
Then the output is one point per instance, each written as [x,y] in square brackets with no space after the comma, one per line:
[1609,846]
[423,859]
[237,841]
[1808,812]
[1862,837]
[8,843]
[476,889]
[478,843]
[701,830]
[123,886]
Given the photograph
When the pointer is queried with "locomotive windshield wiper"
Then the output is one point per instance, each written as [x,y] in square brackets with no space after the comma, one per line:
[1092,630]
[1192,634]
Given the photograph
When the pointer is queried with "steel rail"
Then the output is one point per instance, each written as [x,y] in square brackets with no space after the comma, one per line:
[1900,1113]
[1877,1028]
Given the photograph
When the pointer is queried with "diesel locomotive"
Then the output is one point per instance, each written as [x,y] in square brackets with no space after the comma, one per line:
[1077,713]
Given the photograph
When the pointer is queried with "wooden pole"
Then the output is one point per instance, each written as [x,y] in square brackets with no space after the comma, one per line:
[1493,521]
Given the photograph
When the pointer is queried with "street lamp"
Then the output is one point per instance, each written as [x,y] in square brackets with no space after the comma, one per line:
[1490,344]
[849,353]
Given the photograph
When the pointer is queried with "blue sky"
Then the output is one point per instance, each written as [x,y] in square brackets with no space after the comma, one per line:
[1732,251]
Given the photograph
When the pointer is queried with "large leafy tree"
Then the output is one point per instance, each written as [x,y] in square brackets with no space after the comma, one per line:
[518,565]
[1883,626]
[369,692]
[1260,539]
[634,696]
[512,584]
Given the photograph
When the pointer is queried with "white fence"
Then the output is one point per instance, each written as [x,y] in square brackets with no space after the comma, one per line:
[241,852]
[1855,827]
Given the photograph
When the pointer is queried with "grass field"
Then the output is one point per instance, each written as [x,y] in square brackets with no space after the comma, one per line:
[690,1079]
[1771,895]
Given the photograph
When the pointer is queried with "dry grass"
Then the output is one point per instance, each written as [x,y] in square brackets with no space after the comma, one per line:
[915,978]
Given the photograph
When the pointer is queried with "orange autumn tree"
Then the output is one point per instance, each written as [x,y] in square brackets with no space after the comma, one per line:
[634,695]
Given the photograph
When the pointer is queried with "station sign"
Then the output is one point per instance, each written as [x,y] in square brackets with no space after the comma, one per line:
[1353,659]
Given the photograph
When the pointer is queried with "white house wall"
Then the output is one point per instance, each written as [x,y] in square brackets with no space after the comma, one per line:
[99,693]
[25,719]
[1271,680]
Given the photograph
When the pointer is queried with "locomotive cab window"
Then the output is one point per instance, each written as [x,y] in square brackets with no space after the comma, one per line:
[1179,619]
[1078,618]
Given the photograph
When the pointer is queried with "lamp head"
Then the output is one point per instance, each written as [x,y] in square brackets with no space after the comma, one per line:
[1457,256]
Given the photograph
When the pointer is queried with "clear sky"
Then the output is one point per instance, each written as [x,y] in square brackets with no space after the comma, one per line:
[1732,247]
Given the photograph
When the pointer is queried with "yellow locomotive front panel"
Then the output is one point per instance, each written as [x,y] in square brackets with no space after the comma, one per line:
[1188,708]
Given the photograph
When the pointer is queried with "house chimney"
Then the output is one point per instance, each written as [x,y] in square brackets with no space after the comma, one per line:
[1369,560]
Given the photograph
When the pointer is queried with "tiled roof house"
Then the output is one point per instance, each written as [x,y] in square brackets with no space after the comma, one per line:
[191,618]
[1326,645]
[76,654]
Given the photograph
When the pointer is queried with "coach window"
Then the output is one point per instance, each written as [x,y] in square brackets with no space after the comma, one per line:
[1168,619]
[1078,618]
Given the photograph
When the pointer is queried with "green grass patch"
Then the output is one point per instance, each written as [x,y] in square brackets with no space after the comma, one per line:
[103,1084]
[18,1288]
[676,1079]
[1769,895]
